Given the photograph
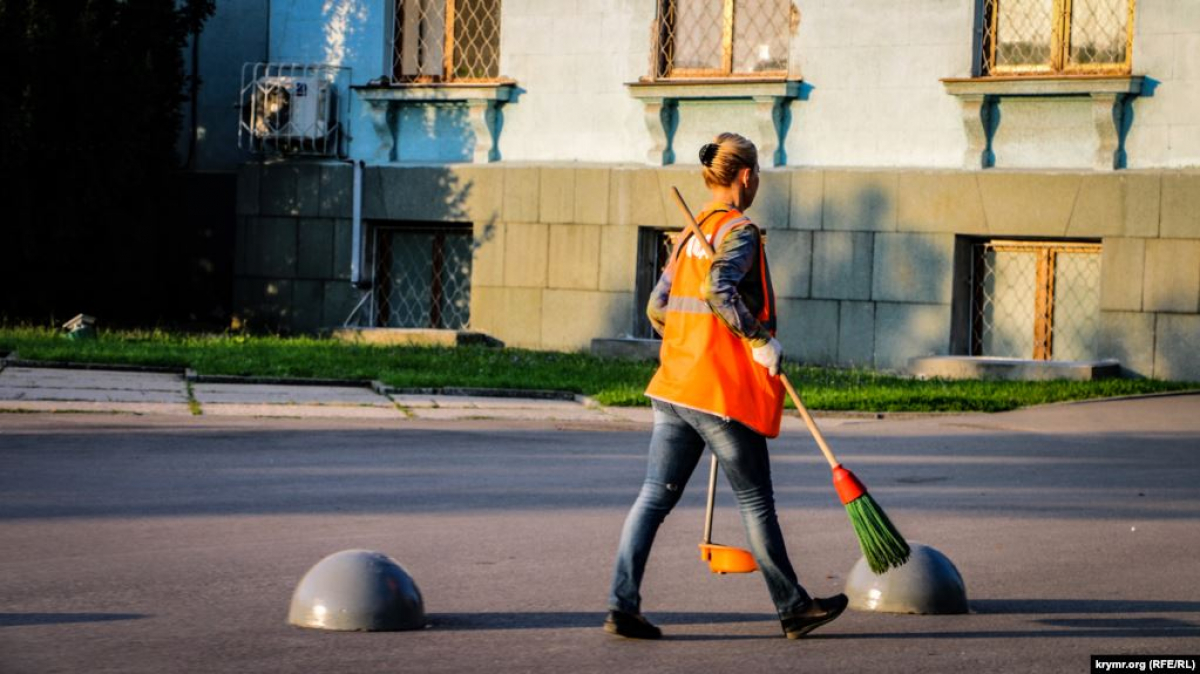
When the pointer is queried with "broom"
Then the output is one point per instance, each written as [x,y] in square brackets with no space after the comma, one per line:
[881,543]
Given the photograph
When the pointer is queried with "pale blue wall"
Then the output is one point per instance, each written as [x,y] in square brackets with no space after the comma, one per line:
[347,33]
[235,34]
[875,93]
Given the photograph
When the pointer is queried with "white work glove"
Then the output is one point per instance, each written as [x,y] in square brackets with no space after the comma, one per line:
[769,355]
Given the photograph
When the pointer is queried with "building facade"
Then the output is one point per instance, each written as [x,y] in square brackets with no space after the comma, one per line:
[977,177]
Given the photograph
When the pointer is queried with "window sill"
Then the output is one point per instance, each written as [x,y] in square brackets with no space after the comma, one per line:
[714,88]
[483,101]
[661,99]
[1044,85]
[980,96]
[436,92]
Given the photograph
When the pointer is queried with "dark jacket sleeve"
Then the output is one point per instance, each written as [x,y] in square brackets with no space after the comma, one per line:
[732,288]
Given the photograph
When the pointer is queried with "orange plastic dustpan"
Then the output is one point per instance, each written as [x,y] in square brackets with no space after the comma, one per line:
[721,558]
[724,559]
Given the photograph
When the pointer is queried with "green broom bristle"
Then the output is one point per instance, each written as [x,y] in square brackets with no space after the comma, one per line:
[881,542]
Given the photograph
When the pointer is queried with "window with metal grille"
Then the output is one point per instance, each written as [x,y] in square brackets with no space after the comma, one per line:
[654,252]
[447,41]
[723,38]
[422,277]
[1035,299]
[1054,37]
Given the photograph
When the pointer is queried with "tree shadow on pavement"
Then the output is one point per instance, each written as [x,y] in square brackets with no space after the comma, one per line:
[1115,628]
[25,619]
[1116,620]
[1053,606]
[571,619]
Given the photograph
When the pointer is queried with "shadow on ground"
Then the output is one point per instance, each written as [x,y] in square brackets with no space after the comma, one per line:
[25,619]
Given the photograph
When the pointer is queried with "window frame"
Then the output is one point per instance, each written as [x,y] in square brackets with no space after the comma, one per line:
[1059,64]
[440,298]
[448,45]
[664,47]
[1046,253]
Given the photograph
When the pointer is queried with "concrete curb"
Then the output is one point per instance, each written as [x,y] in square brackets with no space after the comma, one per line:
[191,376]
[481,392]
[195,378]
[1137,396]
[12,361]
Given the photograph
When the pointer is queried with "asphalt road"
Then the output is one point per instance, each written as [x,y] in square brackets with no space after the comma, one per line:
[168,544]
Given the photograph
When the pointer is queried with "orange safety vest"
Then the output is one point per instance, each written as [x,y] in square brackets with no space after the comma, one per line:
[704,365]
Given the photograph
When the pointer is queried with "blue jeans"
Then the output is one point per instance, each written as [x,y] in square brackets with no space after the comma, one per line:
[680,435]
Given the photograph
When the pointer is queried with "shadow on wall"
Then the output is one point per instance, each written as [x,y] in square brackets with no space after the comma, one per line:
[296,245]
[431,125]
[852,290]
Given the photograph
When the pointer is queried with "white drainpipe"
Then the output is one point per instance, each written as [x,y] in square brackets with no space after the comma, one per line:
[356,236]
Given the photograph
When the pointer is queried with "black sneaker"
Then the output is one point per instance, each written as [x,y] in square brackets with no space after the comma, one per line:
[630,626]
[818,613]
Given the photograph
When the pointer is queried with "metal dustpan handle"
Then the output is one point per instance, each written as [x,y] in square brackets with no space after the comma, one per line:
[705,554]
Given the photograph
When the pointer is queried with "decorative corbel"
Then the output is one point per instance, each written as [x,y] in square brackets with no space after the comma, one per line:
[1108,110]
[659,115]
[383,119]
[484,116]
[770,111]
[977,123]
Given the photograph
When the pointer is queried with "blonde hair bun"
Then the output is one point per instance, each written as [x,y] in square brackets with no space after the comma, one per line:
[723,158]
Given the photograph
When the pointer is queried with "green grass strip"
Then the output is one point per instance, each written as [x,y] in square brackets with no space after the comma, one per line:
[609,381]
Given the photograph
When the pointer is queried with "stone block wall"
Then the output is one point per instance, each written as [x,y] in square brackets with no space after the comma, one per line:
[292,264]
[864,261]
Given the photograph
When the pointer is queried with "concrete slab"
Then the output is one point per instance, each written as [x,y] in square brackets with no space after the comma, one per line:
[51,377]
[579,413]
[302,411]
[420,401]
[101,386]
[592,195]
[251,394]
[1016,369]
[94,407]
[93,395]
[842,265]
[411,337]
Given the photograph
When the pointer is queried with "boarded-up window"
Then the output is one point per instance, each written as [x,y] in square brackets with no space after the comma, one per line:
[447,41]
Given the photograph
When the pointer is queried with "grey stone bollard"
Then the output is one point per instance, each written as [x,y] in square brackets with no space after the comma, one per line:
[357,590]
[927,583]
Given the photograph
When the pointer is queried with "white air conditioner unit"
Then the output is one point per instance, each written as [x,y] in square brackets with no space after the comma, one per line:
[292,107]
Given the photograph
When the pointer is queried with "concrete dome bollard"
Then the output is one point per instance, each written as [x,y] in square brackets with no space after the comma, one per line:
[357,590]
[927,583]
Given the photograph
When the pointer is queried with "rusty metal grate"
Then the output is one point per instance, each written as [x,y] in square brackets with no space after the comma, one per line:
[447,41]
[1037,300]
[1029,37]
[723,38]
[422,278]
[654,252]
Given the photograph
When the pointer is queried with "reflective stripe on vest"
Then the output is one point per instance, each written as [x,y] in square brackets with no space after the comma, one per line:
[705,366]
[688,305]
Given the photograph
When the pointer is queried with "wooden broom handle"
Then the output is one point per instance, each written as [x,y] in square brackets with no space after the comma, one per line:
[711,501]
[787,384]
[809,421]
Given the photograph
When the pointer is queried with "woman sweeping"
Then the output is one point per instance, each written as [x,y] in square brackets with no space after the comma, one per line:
[717,386]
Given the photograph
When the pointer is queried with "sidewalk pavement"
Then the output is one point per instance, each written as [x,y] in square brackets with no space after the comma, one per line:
[27,387]
[55,389]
